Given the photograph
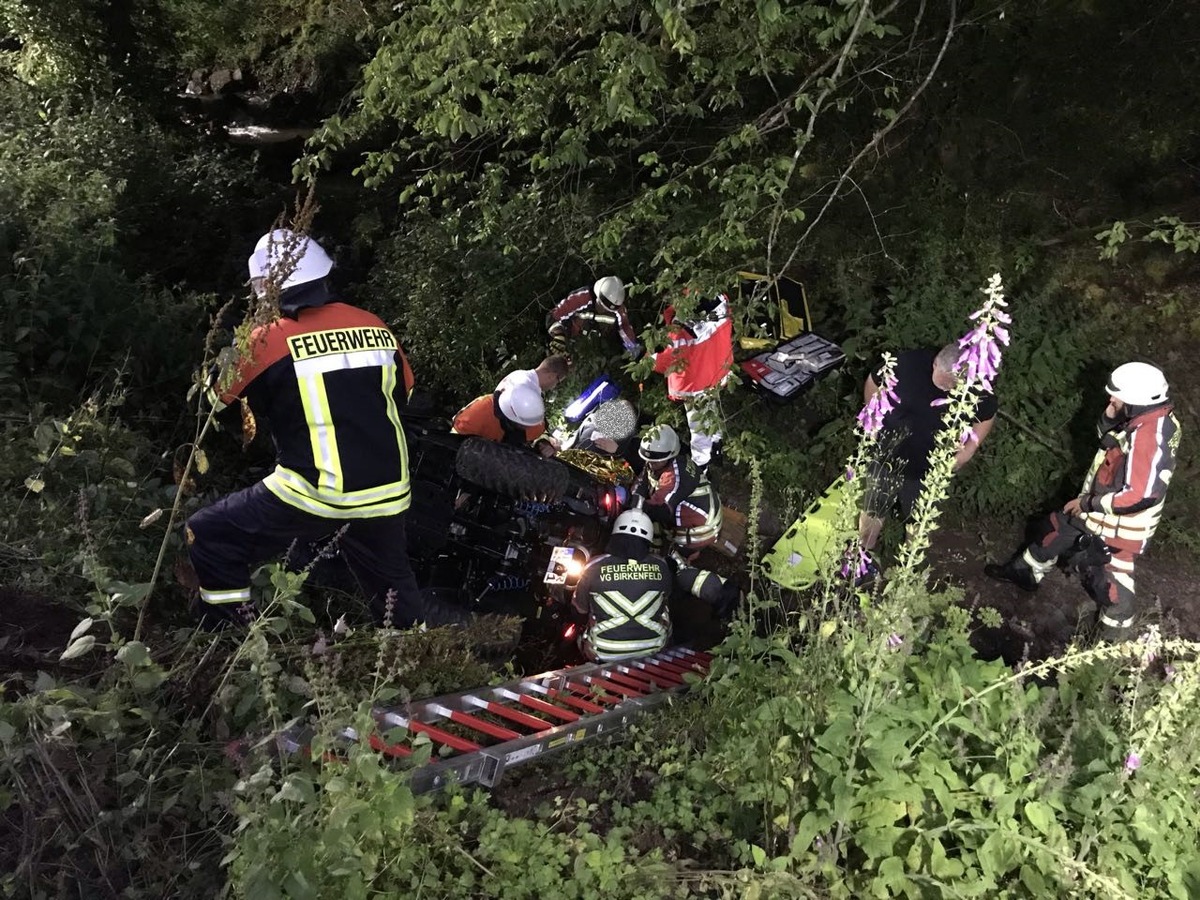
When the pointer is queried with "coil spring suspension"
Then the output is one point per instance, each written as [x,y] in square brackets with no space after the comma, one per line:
[507,583]
[531,508]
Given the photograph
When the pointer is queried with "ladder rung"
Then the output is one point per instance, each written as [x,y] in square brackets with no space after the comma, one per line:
[549,708]
[442,737]
[577,702]
[515,715]
[489,728]
[610,686]
[677,668]
[393,750]
[693,659]
[584,690]
[638,676]
[642,687]
[658,671]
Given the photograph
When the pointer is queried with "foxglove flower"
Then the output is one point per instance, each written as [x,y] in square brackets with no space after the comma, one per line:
[883,402]
[861,567]
[1133,762]
[979,360]
[1148,644]
[895,641]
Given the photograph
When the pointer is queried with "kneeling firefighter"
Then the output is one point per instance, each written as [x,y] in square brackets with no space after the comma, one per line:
[678,495]
[515,412]
[332,380]
[624,593]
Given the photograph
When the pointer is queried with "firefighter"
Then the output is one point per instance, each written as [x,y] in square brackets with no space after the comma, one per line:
[332,380]
[623,594]
[600,308]
[678,496]
[697,361]
[924,380]
[515,413]
[1108,526]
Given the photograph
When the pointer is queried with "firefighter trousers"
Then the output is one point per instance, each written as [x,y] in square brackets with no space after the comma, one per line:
[703,413]
[228,538]
[1110,584]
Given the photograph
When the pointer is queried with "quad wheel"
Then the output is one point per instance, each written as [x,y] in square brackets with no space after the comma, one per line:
[512,471]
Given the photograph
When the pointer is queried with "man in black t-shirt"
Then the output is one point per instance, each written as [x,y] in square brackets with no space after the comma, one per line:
[924,380]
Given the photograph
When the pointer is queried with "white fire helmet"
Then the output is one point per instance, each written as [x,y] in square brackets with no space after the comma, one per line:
[659,444]
[523,404]
[307,259]
[634,522]
[1138,384]
[610,291]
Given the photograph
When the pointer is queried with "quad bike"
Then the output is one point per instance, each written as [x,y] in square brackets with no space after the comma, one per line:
[499,529]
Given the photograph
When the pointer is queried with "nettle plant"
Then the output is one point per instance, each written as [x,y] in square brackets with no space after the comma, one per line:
[877,755]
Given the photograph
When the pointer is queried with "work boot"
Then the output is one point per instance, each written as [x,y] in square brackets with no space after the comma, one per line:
[213,617]
[1113,634]
[1012,571]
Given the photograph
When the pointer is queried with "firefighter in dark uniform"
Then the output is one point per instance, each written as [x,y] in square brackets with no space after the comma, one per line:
[1108,526]
[678,496]
[600,308]
[332,380]
[623,594]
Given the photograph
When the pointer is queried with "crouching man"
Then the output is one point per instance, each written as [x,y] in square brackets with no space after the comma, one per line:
[624,593]
[515,413]
[678,495]
[332,380]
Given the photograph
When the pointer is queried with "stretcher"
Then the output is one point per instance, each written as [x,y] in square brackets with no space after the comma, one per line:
[811,547]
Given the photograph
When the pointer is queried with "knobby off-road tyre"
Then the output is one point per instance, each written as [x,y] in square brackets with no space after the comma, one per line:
[512,471]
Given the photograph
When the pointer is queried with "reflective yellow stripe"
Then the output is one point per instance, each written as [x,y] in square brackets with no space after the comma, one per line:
[385,500]
[320,431]
[289,480]
[623,612]
[222,598]
[607,647]
[389,394]
[335,478]
[684,536]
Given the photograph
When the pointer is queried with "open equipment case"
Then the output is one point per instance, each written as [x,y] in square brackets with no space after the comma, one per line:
[788,364]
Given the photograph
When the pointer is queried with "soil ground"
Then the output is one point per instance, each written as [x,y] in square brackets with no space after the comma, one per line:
[1034,626]
[1042,624]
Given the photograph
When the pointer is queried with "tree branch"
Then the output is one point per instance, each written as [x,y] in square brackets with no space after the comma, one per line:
[951,28]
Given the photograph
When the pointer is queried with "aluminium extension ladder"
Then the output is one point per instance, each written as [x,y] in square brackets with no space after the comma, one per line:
[524,719]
